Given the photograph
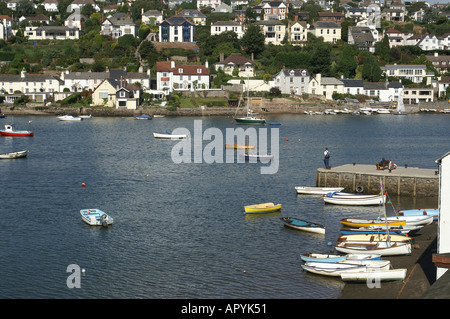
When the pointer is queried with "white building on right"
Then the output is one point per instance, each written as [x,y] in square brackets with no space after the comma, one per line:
[442,258]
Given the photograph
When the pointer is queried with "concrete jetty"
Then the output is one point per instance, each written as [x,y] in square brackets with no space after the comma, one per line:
[365,179]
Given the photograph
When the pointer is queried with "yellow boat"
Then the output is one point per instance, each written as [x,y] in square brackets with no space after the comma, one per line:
[262,208]
[240,147]
[355,222]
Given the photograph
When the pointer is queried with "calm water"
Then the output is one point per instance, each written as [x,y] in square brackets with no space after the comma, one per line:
[179,229]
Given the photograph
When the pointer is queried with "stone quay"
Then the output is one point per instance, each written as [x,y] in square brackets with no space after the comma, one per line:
[365,179]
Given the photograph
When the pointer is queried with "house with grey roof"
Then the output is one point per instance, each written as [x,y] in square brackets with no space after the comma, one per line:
[118,25]
[176,29]
[79,4]
[245,66]
[362,38]
[38,87]
[51,32]
[226,26]
[414,72]
[353,86]
[152,16]
[274,31]
[325,86]
[193,15]
[88,81]
[292,81]
[329,31]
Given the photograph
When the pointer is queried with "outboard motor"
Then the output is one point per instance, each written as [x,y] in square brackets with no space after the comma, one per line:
[103,219]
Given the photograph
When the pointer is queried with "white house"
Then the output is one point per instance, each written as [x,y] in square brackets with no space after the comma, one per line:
[119,24]
[50,32]
[430,43]
[377,90]
[298,32]
[39,87]
[325,86]
[444,83]
[413,72]
[353,86]
[274,31]
[329,31]
[5,27]
[208,3]
[224,26]
[244,65]
[275,10]
[152,15]
[170,76]
[176,29]
[292,81]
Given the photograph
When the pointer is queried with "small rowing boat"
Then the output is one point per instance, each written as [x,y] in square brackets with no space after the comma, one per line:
[304,225]
[262,208]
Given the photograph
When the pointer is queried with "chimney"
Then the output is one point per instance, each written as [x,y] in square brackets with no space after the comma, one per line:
[436,54]
[172,64]
[319,78]
[23,73]
[221,57]
[207,64]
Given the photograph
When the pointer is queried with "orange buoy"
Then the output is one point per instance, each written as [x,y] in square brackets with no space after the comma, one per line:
[83,184]
[286,139]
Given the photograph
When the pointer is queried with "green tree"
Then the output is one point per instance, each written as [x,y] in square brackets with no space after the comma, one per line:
[347,64]
[371,71]
[253,40]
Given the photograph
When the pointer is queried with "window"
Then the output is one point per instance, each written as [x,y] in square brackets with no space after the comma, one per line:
[180,70]
[103,94]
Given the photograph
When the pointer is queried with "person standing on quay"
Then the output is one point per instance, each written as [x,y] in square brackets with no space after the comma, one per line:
[326,158]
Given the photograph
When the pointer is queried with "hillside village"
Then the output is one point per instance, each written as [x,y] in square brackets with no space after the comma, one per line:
[125,55]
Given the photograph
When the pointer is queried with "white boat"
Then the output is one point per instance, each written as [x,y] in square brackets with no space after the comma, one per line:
[420,212]
[86,116]
[351,195]
[96,217]
[169,136]
[335,269]
[382,275]
[337,258]
[158,115]
[373,238]
[68,117]
[383,111]
[412,220]
[250,117]
[382,248]
[304,225]
[13,155]
[355,201]
[317,190]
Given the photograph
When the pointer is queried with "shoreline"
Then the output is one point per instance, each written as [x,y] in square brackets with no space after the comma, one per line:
[277,106]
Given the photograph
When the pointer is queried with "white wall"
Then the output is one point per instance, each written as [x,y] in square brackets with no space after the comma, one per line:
[443,239]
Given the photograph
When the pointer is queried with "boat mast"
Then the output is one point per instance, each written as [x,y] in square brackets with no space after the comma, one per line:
[388,238]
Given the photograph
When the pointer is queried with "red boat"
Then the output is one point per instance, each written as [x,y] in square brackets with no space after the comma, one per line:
[9,130]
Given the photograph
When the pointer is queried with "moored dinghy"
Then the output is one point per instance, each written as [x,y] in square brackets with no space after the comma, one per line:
[311,190]
[355,200]
[382,275]
[335,269]
[262,208]
[96,217]
[13,155]
[304,225]
[373,238]
[420,212]
[412,220]
[337,258]
[10,130]
[382,248]
[370,222]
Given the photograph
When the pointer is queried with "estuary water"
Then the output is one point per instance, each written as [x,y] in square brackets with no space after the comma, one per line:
[179,229]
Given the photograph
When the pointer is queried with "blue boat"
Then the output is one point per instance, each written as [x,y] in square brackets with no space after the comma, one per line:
[303,225]
[420,212]
[143,117]
[274,123]
[328,258]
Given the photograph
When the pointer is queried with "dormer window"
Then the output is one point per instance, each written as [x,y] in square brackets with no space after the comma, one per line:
[199,71]
[180,70]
